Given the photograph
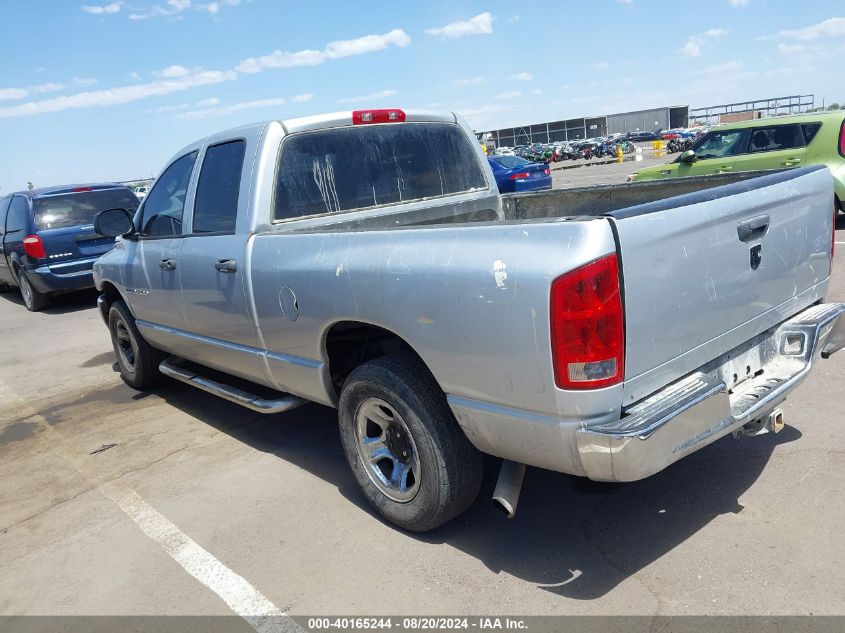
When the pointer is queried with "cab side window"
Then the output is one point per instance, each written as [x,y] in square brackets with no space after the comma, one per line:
[4,206]
[718,144]
[216,203]
[776,137]
[163,209]
[18,212]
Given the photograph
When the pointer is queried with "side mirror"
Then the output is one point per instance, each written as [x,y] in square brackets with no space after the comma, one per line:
[688,156]
[113,222]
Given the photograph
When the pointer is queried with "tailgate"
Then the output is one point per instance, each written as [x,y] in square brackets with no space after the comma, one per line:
[706,271]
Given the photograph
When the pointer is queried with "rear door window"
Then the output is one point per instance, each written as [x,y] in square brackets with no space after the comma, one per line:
[348,168]
[810,130]
[16,221]
[79,208]
[4,206]
[165,204]
[776,137]
[216,203]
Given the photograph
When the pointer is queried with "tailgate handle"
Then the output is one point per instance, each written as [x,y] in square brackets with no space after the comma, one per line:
[753,229]
[226,265]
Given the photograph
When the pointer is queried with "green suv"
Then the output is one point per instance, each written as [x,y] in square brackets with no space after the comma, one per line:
[773,143]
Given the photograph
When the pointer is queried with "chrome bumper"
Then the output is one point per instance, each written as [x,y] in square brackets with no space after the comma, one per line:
[713,402]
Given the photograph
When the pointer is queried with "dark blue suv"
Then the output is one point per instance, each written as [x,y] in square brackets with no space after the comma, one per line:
[47,240]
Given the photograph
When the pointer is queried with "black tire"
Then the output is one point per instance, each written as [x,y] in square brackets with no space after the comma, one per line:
[449,469]
[138,360]
[33,300]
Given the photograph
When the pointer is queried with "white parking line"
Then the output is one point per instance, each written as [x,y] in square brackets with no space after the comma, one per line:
[240,596]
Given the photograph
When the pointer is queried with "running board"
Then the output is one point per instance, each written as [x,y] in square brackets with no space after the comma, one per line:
[170,367]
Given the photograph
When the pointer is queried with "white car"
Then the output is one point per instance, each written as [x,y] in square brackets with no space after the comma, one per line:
[141,192]
[504,151]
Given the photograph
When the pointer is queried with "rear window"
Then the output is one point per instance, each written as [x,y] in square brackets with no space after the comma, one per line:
[79,209]
[343,169]
[509,162]
[810,130]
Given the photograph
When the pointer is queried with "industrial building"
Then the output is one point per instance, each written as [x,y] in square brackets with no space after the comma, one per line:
[588,127]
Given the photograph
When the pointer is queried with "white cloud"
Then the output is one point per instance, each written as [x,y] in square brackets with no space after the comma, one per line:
[245,105]
[739,3]
[536,91]
[834,27]
[513,94]
[790,49]
[119,95]
[207,103]
[113,7]
[333,50]
[469,81]
[481,24]
[175,9]
[135,77]
[13,93]
[599,66]
[697,44]
[523,76]
[47,87]
[173,72]
[84,81]
[370,97]
[513,19]
[625,1]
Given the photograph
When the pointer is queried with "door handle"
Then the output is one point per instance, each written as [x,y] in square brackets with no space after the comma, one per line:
[167,264]
[753,229]
[791,161]
[726,168]
[226,265]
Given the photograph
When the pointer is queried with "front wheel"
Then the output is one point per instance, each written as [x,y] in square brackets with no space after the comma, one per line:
[407,453]
[33,300]
[138,360]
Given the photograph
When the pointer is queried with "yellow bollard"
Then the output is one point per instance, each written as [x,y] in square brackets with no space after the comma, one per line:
[619,153]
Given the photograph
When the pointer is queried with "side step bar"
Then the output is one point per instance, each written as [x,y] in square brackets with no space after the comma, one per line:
[170,367]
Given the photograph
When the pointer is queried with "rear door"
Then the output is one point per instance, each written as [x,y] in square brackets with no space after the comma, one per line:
[212,265]
[773,147]
[17,228]
[707,271]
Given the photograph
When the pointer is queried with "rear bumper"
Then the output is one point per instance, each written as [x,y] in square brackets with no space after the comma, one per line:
[55,279]
[707,405]
[533,184]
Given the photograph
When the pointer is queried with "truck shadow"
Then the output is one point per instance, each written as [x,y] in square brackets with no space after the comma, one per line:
[570,536]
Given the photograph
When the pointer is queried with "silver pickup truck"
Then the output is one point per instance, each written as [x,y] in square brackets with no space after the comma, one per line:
[366,261]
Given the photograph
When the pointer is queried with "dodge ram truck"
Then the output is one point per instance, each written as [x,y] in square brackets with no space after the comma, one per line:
[366,261]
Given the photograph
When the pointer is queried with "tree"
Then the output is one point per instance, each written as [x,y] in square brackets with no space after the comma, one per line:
[29,185]
[834,106]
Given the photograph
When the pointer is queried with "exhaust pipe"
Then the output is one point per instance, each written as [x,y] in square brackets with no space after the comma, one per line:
[508,487]
[775,421]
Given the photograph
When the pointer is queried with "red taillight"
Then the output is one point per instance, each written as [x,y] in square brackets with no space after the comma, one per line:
[34,247]
[587,326]
[548,172]
[520,176]
[81,189]
[362,117]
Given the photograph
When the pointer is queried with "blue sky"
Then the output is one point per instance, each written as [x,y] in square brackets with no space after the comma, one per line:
[109,90]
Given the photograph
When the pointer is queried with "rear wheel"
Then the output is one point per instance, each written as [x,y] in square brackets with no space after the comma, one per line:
[138,360]
[32,299]
[407,453]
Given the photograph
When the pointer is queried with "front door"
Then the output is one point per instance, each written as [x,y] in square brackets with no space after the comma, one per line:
[212,267]
[716,154]
[5,271]
[152,276]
